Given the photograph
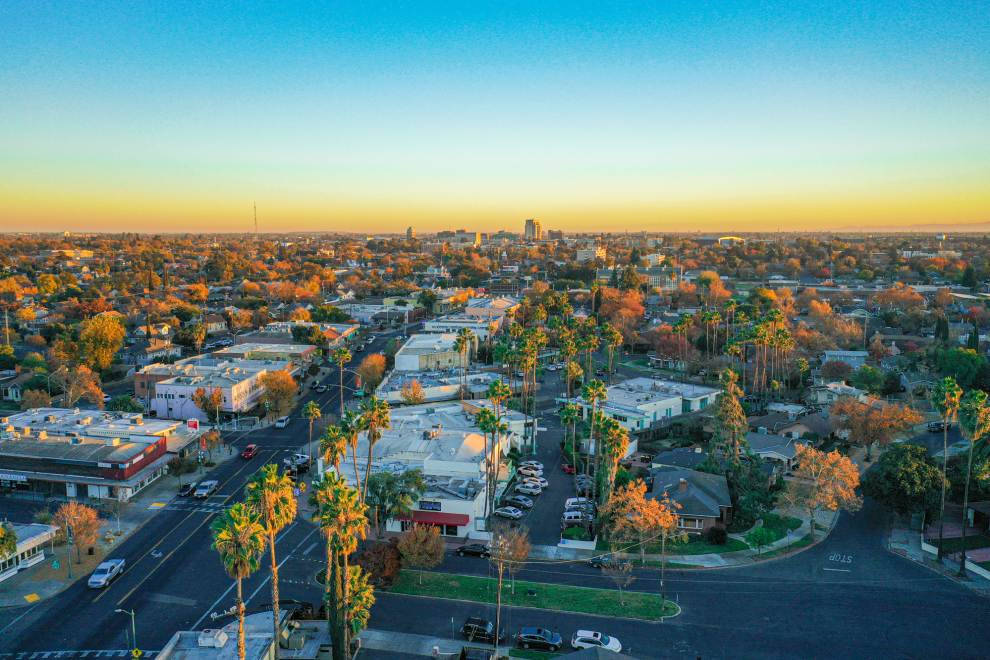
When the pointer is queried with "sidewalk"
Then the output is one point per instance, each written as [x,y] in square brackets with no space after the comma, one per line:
[409,644]
[43,580]
[907,543]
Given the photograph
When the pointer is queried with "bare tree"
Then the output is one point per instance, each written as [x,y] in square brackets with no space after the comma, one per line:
[621,574]
[509,547]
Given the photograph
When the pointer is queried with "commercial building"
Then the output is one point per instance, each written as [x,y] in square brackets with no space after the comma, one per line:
[241,391]
[148,377]
[483,328]
[444,442]
[533,230]
[298,640]
[30,549]
[442,385]
[428,352]
[69,454]
[297,354]
[590,254]
[491,308]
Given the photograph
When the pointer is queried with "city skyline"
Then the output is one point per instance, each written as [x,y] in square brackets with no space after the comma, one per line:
[157,117]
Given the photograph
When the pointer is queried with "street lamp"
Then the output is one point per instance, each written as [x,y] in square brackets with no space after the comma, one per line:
[133,629]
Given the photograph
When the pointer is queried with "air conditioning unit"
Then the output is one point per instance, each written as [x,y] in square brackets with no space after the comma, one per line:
[212,638]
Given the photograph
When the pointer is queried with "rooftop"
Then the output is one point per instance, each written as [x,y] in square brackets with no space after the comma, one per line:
[426,344]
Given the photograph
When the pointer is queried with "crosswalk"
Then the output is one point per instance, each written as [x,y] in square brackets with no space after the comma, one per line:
[89,653]
[199,507]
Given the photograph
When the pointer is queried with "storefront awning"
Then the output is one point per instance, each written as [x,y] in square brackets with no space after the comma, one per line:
[437,518]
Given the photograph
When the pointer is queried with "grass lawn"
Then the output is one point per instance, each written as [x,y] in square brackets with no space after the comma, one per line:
[800,543]
[695,546]
[565,598]
[955,545]
[780,525]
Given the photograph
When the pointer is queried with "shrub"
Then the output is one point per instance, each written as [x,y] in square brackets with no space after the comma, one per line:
[717,535]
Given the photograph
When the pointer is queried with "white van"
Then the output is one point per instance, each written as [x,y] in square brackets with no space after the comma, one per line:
[574,518]
[281,422]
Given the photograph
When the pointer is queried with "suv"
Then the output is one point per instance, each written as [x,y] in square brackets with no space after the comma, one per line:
[206,488]
[539,638]
[476,629]
[281,422]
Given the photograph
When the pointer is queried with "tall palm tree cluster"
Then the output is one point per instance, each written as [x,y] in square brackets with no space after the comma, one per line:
[491,425]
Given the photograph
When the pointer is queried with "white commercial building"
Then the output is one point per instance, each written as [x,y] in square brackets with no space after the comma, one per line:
[482,327]
[590,254]
[30,550]
[241,391]
[428,352]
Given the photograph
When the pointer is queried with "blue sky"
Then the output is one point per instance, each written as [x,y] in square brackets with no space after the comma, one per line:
[730,114]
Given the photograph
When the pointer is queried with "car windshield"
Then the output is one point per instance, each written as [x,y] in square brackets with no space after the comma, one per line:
[101,570]
[604,639]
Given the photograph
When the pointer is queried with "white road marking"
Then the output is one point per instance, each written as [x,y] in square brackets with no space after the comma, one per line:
[838,570]
[309,548]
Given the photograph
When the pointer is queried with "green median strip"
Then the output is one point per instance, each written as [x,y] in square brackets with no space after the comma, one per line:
[546,596]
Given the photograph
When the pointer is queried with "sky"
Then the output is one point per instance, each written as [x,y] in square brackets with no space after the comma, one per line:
[592,116]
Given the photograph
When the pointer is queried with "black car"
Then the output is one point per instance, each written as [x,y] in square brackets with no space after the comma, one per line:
[600,561]
[474,550]
[476,629]
[187,489]
[539,638]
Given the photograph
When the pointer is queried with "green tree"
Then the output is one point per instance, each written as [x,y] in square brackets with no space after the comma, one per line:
[759,538]
[340,357]
[341,517]
[270,495]
[962,364]
[945,398]
[974,422]
[729,437]
[594,393]
[125,403]
[868,378]
[8,539]
[312,412]
[968,278]
[905,480]
[392,495]
[239,538]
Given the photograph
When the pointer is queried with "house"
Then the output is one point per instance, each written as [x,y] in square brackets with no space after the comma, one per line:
[214,324]
[814,425]
[776,448]
[854,359]
[30,549]
[682,457]
[13,383]
[703,498]
[829,393]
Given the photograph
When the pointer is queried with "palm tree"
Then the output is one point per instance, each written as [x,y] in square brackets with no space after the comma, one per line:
[499,393]
[593,393]
[572,371]
[350,427]
[312,412]
[613,339]
[615,444]
[568,418]
[270,495]
[240,539]
[376,415]
[464,345]
[486,421]
[333,446]
[974,421]
[946,396]
[459,345]
[341,517]
[341,356]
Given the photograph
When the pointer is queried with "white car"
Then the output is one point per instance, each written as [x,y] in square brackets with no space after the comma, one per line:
[105,573]
[296,460]
[531,464]
[576,501]
[206,488]
[530,471]
[509,512]
[589,639]
[281,422]
[528,489]
[536,481]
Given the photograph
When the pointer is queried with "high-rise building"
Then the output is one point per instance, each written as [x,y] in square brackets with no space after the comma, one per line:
[534,232]
[410,233]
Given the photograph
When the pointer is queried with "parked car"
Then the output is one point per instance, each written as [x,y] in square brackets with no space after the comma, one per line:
[206,488]
[532,464]
[509,512]
[313,385]
[530,471]
[600,561]
[936,427]
[539,481]
[473,550]
[250,451]
[520,501]
[476,629]
[108,571]
[281,422]
[539,638]
[575,518]
[187,489]
[528,489]
[321,388]
[296,460]
[589,639]
[360,348]
[567,468]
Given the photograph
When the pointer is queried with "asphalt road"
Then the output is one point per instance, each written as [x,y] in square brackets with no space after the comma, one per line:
[846,597]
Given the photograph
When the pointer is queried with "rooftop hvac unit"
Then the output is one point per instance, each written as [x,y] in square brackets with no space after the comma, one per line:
[212,638]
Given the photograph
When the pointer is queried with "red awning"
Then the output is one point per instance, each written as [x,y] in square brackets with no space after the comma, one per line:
[437,518]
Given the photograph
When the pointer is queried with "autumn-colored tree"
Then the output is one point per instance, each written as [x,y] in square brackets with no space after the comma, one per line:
[81,522]
[412,393]
[78,383]
[8,539]
[899,296]
[371,370]
[422,547]
[873,423]
[822,481]
[280,390]
[209,402]
[99,340]
[35,399]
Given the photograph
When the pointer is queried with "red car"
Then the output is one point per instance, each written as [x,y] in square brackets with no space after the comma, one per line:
[250,451]
[567,468]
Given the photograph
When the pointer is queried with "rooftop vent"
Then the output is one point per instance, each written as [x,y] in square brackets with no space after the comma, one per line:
[212,638]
